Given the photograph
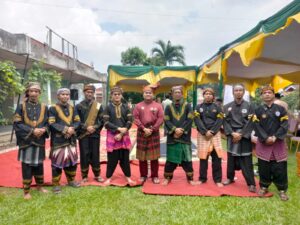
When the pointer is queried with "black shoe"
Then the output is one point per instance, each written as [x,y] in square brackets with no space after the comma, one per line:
[228,181]
[56,189]
[74,184]
[252,188]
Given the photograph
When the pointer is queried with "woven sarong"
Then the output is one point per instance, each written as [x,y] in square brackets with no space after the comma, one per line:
[112,144]
[148,148]
[205,147]
[64,157]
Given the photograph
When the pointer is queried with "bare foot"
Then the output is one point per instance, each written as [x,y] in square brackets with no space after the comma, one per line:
[107,182]
[27,196]
[191,182]
[165,182]
[130,182]
[220,184]
[84,180]
[41,189]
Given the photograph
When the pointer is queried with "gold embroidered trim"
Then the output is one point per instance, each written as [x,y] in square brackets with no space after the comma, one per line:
[175,114]
[62,116]
[167,117]
[76,118]
[17,117]
[191,116]
[33,123]
[196,114]
[284,118]
[118,110]
[220,115]
[255,119]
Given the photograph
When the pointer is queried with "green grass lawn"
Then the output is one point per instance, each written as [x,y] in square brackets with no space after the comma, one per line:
[115,205]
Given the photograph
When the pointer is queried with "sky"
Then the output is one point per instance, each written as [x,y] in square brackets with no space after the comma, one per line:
[101,30]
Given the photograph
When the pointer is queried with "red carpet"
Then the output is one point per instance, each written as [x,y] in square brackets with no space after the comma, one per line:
[11,174]
[179,185]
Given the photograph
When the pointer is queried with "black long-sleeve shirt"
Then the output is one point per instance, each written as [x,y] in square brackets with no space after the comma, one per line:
[83,109]
[238,117]
[179,116]
[208,116]
[116,116]
[270,121]
[27,117]
[61,117]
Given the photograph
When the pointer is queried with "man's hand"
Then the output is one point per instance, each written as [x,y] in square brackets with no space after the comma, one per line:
[90,129]
[118,137]
[209,134]
[236,137]
[71,131]
[123,130]
[270,140]
[147,132]
[38,132]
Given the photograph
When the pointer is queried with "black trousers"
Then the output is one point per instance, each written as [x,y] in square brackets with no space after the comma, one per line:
[89,155]
[216,168]
[186,166]
[70,173]
[273,171]
[113,158]
[243,163]
[28,172]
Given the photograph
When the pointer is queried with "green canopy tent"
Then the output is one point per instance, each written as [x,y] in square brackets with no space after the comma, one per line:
[132,78]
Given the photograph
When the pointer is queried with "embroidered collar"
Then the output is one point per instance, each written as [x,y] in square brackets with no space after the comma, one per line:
[61,114]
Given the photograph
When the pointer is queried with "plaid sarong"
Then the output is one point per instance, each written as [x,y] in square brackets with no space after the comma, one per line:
[112,144]
[205,147]
[148,148]
[64,157]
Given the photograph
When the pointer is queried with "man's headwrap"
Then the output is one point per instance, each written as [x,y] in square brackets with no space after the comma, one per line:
[180,87]
[267,88]
[116,89]
[151,87]
[33,85]
[61,90]
[89,87]
[209,90]
[238,86]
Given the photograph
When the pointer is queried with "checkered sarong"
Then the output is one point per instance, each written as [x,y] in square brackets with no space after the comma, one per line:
[205,147]
[148,148]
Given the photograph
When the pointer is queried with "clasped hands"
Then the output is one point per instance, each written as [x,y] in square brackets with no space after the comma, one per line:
[178,132]
[119,136]
[38,132]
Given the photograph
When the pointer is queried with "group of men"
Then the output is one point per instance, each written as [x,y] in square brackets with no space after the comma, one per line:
[34,122]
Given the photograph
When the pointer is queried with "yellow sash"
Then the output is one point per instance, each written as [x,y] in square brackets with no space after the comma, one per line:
[93,113]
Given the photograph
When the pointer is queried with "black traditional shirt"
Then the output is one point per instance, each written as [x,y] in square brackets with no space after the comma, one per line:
[238,118]
[179,115]
[208,116]
[270,121]
[27,117]
[61,117]
[83,109]
[116,116]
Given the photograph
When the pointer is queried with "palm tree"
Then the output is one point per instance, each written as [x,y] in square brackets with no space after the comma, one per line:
[169,53]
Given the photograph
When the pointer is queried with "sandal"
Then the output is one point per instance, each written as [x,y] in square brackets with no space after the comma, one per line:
[283,196]
[155,180]
[263,191]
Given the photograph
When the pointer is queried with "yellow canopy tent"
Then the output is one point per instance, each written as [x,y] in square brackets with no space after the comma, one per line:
[267,54]
[132,78]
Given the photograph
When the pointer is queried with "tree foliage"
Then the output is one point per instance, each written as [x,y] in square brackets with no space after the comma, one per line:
[133,56]
[293,100]
[41,75]
[10,84]
[169,53]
